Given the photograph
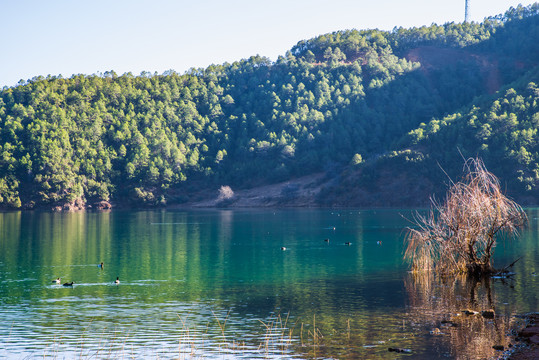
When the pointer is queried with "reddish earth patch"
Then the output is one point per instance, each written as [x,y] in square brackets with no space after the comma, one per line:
[432,57]
[435,57]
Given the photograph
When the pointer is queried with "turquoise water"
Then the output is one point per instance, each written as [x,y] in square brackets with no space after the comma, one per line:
[217,284]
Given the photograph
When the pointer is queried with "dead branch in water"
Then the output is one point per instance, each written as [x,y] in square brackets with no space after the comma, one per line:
[459,235]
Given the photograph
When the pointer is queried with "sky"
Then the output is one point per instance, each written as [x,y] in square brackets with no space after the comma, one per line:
[66,37]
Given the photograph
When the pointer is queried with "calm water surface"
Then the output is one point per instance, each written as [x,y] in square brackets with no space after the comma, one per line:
[216,284]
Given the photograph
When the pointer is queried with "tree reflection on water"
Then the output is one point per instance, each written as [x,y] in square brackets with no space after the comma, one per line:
[460,313]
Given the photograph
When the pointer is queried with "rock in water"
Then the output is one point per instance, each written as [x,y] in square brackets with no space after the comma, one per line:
[400,350]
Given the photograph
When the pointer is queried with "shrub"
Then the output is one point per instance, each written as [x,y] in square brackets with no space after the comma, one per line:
[460,235]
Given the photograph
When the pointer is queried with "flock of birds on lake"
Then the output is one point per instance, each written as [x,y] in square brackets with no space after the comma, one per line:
[70,284]
[346,243]
[117,281]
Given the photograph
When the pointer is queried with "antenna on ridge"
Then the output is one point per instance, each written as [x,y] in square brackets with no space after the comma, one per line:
[467,11]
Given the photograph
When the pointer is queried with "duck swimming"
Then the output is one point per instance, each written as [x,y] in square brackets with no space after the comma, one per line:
[68,284]
[100,266]
[117,280]
[57,281]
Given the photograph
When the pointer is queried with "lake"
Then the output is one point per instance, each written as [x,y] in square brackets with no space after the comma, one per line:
[254,283]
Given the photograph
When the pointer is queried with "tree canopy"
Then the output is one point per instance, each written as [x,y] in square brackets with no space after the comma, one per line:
[345,99]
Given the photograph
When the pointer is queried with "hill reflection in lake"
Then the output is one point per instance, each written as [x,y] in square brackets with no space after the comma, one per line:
[216,284]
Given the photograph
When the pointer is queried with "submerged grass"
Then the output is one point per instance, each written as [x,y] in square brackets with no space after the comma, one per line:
[280,337]
[276,340]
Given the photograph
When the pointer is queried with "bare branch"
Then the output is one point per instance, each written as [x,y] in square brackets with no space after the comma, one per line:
[460,234]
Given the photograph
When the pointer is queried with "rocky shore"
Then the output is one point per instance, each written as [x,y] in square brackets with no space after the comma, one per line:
[526,340]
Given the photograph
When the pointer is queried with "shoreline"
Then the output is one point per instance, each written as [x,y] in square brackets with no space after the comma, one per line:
[525,340]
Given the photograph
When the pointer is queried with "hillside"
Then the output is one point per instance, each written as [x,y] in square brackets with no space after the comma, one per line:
[375,112]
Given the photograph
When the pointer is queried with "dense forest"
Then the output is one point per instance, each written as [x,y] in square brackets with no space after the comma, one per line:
[377,112]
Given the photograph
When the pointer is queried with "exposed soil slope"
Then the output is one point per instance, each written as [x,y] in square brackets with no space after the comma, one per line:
[432,58]
[300,192]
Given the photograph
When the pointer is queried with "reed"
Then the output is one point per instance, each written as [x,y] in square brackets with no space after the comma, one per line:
[277,339]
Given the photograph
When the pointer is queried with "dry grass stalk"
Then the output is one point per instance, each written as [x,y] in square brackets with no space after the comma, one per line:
[459,235]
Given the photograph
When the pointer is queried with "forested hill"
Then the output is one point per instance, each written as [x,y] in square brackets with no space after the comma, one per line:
[377,112]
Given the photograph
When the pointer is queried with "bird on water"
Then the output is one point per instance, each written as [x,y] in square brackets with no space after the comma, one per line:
[117,280]
[68,284]
[56,281]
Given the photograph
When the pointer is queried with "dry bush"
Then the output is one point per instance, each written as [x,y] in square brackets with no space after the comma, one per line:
[226,196]
[459,235]
[225,193]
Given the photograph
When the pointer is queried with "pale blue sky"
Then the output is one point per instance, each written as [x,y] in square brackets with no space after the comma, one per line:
[43,37]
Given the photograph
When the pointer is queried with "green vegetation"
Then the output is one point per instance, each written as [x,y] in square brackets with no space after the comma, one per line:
[341,101]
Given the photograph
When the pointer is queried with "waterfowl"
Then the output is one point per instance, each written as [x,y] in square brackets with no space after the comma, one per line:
[326,240]
[117,280]
[283,248]
[57,281]
[100,266]
[68,284]
[348,243]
